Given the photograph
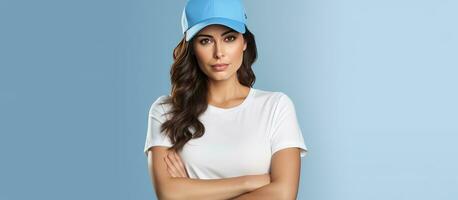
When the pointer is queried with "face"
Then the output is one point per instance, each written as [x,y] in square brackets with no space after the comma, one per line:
[217,44]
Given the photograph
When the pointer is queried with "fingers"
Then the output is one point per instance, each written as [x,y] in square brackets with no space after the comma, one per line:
[170,168]
[174,164]
[180,163]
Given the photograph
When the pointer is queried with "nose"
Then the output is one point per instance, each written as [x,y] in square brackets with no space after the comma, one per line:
[218,50]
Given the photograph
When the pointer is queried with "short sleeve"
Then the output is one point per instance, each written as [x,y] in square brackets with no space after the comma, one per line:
[286,131]
[154,136]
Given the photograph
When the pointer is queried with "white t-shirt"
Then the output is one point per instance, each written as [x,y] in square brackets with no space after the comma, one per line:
[237,141]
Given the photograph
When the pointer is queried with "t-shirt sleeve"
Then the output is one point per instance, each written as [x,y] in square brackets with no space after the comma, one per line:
[154,136]
[286,131]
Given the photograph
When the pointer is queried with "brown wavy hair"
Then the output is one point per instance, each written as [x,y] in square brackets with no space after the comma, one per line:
[189,91]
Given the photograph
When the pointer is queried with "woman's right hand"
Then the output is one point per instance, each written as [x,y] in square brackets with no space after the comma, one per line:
[254,182]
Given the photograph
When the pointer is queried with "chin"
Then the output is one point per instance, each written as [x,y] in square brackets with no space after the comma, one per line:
[220,76]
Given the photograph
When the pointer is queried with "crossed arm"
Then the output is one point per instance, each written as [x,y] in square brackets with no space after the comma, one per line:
[284,175]
[282,183]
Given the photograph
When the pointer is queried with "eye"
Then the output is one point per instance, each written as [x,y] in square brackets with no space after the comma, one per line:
[207,40]
[233,38]
[204,41]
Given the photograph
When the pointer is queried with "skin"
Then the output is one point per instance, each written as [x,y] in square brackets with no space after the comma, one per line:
[284,176]
[173,188]
[217,44]
[171,181]
[212,45]
[175,165]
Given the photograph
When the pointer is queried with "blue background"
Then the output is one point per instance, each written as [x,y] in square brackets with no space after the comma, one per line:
[374,84]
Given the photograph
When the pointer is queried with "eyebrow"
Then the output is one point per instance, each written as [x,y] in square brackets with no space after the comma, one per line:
[229,31]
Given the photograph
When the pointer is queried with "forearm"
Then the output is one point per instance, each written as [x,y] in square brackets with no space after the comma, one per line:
[272,191]
[185,188]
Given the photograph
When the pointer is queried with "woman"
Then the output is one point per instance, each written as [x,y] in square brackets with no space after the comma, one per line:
[215,136]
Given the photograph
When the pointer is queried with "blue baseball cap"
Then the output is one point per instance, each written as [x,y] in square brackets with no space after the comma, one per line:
[197,14]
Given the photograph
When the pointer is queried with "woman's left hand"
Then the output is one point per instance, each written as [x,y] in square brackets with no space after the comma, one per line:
[175,166]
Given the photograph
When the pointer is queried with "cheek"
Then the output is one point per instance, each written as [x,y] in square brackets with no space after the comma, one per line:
[236,54]
[238,49]
[203,55]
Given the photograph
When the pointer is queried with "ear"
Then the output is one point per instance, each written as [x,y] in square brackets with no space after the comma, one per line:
[244,45]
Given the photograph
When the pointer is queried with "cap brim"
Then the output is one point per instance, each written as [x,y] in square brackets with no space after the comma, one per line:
[236,25]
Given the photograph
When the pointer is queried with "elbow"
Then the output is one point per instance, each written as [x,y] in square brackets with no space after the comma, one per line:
[164,196]
[161,195]
[288,196]
[169,193]
[166,190]
[286,192]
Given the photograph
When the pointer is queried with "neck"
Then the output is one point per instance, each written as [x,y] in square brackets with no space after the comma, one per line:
[223,91]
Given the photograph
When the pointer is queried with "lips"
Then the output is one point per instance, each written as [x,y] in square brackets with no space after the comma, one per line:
[220,67]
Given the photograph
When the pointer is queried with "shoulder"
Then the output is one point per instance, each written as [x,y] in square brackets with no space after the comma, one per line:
[159,106]
[275,98]
[268,96]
